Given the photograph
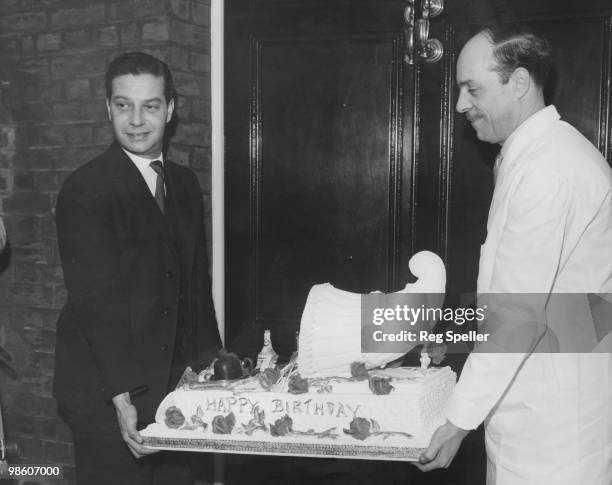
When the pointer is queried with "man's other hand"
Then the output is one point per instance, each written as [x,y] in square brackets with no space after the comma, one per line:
[127,417]
[443,447]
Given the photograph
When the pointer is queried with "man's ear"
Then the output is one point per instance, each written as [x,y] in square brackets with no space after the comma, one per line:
[521,81]
[170,110]
[108,109]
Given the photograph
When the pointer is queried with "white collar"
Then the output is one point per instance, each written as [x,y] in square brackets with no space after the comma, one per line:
[142,162]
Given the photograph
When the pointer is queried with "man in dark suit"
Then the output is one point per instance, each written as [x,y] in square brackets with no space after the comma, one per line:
[139,306]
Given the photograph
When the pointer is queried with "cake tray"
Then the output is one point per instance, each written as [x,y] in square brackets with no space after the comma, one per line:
[282,448]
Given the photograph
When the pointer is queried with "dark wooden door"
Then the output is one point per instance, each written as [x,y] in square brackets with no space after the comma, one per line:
[319,149]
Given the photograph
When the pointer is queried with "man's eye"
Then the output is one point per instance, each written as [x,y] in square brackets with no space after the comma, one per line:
[472,90]
[121,105]
[152,107]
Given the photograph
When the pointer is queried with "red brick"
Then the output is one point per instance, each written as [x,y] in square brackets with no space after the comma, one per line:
[30,449]
[201,159]
[60,297]
[156,31]
[189,35]
[63,432]
[10,46]
[144,8]
[38,273]
[9,5]
[27,203]
[194,134]
[103,134]
[79,134]
[47,364]
[77,39]
[49,41]
[200,12]
[107,36]
[35,112]
[180,155]
[6,180]
[199,62]
[77,64]
[58,452]
[178,58]
[23,22]
[129,34]
[49,430]
[34,66]
[27,43]
[45,135]
[123,10]
[184,108]
[80,111]
[200,109]
[67,17]
[78,89]
[98,86]
[22,229]
[48,230]
[36,251]
[31,295]
[180,8]
[19,424]
[58,158]
[190,85]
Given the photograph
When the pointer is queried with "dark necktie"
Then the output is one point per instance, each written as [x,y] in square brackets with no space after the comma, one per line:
[159,184]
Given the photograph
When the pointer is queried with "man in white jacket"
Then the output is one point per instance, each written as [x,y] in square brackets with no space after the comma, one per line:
[549,234]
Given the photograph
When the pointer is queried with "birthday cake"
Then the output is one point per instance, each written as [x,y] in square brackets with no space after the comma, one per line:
[327,401]
[388,414]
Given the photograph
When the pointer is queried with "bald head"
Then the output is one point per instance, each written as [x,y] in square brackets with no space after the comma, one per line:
[494,102]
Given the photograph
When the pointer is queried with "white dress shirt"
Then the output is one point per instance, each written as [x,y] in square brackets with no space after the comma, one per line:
[144,167]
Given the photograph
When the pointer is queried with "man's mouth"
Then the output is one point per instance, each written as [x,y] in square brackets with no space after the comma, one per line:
[137,136]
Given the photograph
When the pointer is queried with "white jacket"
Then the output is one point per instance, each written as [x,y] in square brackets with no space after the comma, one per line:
[548,417]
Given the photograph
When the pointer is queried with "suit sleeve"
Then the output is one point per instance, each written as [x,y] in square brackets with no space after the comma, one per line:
[97,298]
[526,262]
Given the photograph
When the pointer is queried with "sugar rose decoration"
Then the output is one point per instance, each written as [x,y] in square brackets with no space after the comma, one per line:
[269,377]
[362,428]
[380,385]
[282,426]
[174,417]
[297,384]
[359,428]
[223,425]
[359,371]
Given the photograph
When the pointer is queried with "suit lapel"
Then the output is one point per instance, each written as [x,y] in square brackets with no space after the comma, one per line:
[135,196]
[180,211]
[131,184]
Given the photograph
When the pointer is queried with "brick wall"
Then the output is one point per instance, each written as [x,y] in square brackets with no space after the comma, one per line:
[53,54]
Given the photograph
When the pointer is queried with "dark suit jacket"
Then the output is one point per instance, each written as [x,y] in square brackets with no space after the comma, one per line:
[131,274]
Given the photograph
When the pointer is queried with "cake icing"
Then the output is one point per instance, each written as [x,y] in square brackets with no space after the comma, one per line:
[340,413]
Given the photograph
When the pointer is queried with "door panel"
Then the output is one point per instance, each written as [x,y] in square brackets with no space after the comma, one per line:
[318,173]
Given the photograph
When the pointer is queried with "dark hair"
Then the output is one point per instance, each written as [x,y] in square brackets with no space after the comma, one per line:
[139,63]
[517,46]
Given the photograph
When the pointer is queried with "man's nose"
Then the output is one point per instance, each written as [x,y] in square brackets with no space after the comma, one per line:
[462,104]
[136,118]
